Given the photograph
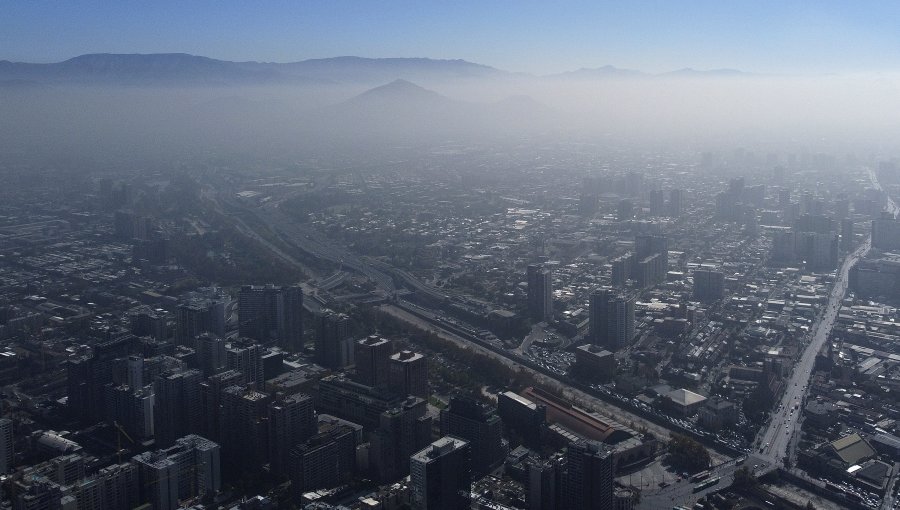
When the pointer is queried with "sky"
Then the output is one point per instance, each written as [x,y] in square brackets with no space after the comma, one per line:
[540,37]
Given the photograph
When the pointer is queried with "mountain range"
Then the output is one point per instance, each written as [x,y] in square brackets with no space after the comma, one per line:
[184,69]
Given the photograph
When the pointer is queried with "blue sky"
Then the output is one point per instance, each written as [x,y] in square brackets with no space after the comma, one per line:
[531,36]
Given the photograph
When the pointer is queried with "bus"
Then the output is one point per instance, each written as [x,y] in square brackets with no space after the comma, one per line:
[703,475]
[707,484]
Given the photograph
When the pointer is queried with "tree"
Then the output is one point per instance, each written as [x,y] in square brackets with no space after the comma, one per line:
[744,480]
[687,453]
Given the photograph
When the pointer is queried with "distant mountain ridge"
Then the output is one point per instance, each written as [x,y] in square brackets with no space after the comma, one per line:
[160,68]
[186,69]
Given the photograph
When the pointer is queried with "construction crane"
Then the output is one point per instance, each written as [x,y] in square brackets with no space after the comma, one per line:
[120,431]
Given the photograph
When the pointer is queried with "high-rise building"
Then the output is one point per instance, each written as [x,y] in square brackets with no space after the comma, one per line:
[292,420]
[784,246]
[621,269]
[245,356]
[373,356]
[522,415]
[441,475]
[401,432]
[196,317]
[132,410]
[119,484]
[190,468]
[544,484]
[847,234]
[6,445]
[114,486]
[354,401]
[657,201]
[244,430]
[146,321]
[268,313]
[211,354]
[290,318]
[87,375]
[818,223]
[611,319]
[334,343]
[326,460]
[176,410]
[36,494]
[211,401]
[709,285]
[478,424]
[540,292]
[588,482]
[408,373]
[598,321]
[819,251]
[651,259]
[625,210]
[886,232]
[676,202]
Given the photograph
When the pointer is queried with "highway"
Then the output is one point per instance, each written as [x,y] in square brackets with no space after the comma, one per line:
[776,437]
[773,441]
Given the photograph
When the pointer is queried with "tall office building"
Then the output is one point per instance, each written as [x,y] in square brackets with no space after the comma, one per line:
[196,317]
[6,445]
[657,201]
[87,375]
[709,285]
[540,292]
[292,420]
[290,319]
[651,259]
[598,322]
[326,460]
[621,269]
[588,483]
[244,430]
[886,232]
[544,484]
[522,415]
[847,239]
[120,485]
[401,432]
[408,373]
[625,210]
[211,401]
[676,202]
[245,356]
[268,313]
[373,356]
[818,223]
[819,251]
[190,468]
[132,410]
[784,246]
[478,424]
[211,354]
[334,343]
[441,475]
[176,410]
[611,319]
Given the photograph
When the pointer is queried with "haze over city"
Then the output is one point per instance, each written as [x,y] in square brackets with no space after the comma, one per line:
[467,255]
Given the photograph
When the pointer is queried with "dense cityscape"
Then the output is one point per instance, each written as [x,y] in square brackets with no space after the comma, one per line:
[538,328]
[506,255]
